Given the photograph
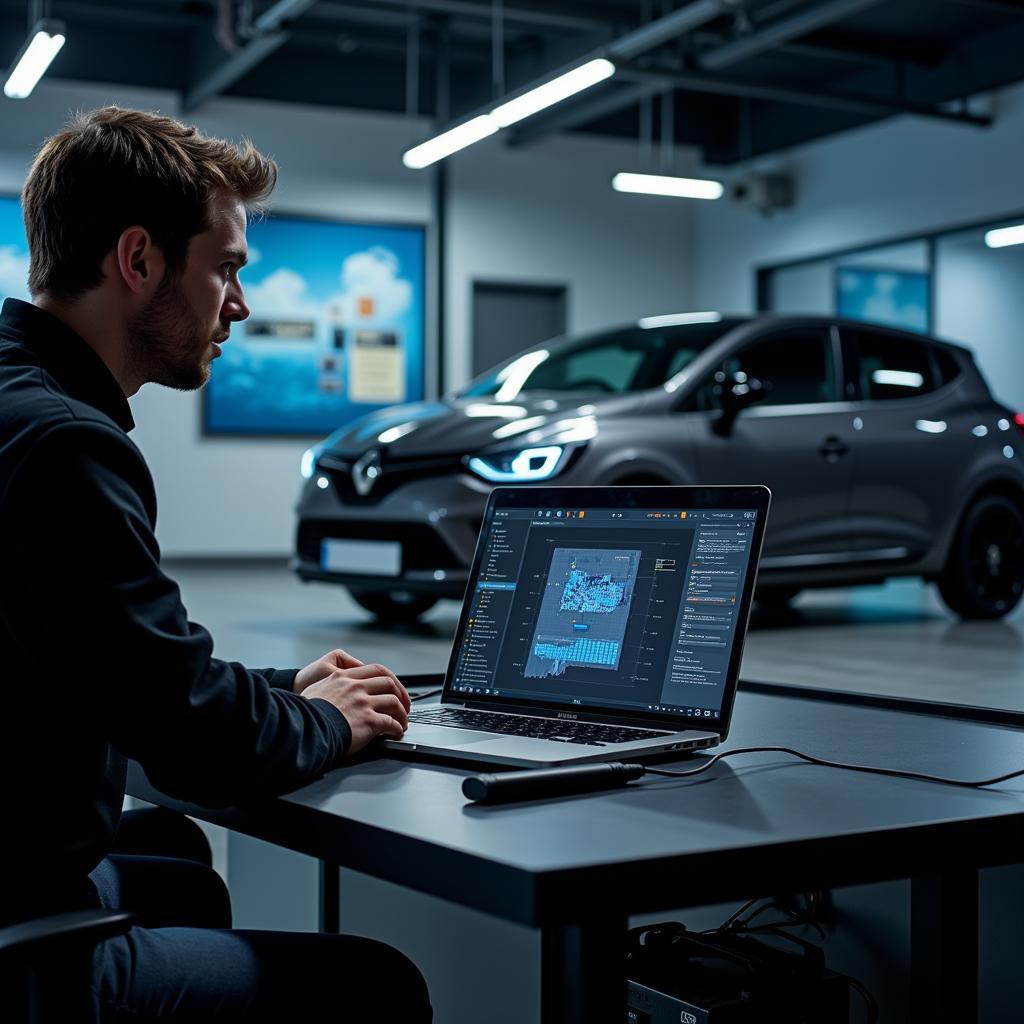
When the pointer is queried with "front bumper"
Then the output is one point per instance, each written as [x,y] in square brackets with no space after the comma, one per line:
[435,520]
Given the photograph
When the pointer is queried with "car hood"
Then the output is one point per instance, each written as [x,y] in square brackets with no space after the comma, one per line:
[466,425]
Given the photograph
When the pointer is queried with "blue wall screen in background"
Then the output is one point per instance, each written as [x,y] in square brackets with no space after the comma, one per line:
[897,298]
[336,329]
[13,250]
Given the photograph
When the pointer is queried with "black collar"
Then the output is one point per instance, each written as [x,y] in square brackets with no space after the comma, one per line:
[80,371]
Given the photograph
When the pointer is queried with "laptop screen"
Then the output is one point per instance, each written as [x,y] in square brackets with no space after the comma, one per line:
[626,601]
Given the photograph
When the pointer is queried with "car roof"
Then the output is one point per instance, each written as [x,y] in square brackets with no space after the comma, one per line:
[818,320]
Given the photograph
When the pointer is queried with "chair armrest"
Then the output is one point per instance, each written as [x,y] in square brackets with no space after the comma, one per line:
[83,928]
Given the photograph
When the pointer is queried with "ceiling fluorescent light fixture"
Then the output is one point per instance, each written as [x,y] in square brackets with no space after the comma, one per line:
[668,185]
[550,93]
[1001,237]
[35,56]
[451,141]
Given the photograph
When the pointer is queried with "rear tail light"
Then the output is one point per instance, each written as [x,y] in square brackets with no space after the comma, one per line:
[1018,418]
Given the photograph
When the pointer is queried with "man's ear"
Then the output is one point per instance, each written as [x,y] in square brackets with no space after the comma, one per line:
[139,262]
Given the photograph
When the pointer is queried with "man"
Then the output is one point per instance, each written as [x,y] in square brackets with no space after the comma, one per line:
[136,230]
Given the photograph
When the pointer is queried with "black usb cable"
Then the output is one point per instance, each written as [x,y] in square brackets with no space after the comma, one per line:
[542,783]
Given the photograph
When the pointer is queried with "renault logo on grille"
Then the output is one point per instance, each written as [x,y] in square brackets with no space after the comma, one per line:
[366,472]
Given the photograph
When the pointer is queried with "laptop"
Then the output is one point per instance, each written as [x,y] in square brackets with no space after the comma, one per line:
[599,624]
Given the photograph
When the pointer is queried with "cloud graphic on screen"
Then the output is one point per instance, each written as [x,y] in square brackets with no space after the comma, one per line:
[13,272]
[374,274]
[283,293]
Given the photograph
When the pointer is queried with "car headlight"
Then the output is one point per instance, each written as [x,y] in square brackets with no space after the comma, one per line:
[524,464]
[307,465]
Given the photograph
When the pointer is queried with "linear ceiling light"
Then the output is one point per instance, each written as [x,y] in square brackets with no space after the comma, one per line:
[451,141]
[667,185]
[34,57]
[550,93]
[1000,237]
[509,113]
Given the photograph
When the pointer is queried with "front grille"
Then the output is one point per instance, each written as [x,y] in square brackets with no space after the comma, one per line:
[395,473]
[423,549]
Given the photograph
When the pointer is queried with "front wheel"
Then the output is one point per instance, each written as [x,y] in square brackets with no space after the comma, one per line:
[393,605]
[984,575]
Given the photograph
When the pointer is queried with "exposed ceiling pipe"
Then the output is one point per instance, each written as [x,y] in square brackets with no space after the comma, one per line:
[814,17]
[268,37]
[852,103]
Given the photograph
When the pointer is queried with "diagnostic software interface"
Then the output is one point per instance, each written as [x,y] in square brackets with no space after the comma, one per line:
[622,608]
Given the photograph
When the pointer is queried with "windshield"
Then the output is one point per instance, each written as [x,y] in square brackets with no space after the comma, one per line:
[627,359]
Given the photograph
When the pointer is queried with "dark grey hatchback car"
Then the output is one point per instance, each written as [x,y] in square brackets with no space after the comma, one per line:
[885,452]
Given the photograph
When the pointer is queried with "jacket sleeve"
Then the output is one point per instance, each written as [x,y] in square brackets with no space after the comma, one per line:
[282,677]
[111,640]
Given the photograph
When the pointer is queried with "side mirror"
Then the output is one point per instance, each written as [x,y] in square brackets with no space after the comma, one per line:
[734,392]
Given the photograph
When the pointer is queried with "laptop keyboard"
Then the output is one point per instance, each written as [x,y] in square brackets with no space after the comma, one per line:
[537,728]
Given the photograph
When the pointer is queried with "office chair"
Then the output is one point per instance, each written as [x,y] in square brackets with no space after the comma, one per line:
[46,965]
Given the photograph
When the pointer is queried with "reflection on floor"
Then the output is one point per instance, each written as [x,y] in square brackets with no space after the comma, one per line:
[897,639]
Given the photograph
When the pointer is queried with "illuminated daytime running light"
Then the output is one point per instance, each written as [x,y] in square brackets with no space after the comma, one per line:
[529,464]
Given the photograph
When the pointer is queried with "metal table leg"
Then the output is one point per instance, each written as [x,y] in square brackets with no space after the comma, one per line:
[583,973]
[944,947]
[330,898]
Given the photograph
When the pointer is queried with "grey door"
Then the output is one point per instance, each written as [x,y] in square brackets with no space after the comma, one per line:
[796,440]
[508,318]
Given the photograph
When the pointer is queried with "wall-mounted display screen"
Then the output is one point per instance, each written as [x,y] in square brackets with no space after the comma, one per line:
[336,328]
[13,251]
[896,298]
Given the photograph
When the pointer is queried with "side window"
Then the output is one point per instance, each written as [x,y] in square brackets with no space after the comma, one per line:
[797,368]
[892,367]
[946,366]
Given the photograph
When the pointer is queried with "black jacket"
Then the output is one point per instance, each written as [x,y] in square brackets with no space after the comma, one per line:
[98,661]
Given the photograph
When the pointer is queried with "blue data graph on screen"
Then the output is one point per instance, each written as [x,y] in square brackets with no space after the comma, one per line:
[13,251]
[336,328]
[584,610]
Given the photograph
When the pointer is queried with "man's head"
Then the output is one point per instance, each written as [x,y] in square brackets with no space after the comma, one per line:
[147,213]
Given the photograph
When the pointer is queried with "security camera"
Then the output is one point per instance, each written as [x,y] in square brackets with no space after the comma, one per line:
[763,192]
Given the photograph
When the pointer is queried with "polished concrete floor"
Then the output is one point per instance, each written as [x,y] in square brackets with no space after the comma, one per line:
[897,639]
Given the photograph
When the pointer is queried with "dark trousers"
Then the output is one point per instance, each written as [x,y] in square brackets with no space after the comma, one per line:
[182,963]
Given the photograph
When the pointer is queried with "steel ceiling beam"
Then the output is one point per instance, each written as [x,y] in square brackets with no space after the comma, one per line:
[271,37]
[848,102]
[811,19]
[484,11]
[625,47]
[611,100]
[670,26]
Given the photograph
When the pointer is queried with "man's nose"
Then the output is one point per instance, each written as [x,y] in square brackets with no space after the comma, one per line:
[235,308]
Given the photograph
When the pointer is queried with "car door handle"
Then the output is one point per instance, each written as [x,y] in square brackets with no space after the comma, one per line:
[832,449]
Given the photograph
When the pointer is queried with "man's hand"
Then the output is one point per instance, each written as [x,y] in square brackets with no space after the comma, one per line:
[323,667]
[370,697]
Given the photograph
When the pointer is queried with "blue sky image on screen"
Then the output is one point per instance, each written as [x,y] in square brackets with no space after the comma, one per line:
[897,298]
[13,251]
[336,328]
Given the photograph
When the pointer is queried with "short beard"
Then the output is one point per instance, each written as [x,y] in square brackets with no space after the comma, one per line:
[165,343]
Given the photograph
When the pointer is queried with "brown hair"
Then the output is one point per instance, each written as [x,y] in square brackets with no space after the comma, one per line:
[110,169]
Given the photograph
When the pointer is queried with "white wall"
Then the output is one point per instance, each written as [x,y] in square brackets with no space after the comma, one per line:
[903,176]
[546,213]
[980,297]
